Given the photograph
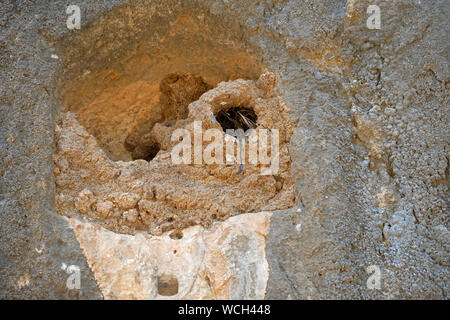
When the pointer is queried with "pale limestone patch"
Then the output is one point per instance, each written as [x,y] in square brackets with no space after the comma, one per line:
[225,262]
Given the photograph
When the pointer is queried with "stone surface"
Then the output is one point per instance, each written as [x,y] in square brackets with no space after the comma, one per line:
[370,149]
[226,261]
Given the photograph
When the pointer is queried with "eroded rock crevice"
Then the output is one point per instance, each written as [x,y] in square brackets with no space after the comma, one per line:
[178,90]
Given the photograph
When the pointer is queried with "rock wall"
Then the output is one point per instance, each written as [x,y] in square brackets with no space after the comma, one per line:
[369,151]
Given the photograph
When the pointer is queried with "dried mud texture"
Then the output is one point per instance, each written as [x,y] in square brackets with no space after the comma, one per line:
[160,196]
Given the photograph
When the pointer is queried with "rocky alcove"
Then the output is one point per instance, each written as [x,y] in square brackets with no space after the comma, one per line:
[114,134]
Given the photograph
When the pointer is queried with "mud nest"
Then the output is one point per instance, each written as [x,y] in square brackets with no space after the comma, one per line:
[237,118]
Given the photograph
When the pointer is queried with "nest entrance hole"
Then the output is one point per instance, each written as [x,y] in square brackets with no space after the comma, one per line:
[237,118]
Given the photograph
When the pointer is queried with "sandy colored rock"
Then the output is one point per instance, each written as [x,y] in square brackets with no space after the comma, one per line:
[225,262]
